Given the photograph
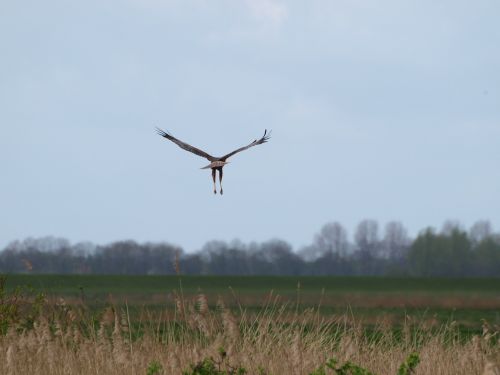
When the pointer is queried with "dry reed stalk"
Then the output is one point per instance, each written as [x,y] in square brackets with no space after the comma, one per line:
[277,339]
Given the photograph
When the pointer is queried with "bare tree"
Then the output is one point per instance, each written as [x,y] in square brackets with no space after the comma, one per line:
[479,231]
[43,244]
[332,239]
[449,226]
[396,240]
[366,238]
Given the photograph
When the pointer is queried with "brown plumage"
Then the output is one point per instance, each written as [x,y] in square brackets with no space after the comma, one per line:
[216,163]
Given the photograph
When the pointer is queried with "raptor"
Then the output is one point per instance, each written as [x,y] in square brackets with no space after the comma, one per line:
[216,163]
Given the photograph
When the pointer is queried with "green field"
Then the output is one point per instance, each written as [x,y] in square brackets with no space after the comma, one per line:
[370,299]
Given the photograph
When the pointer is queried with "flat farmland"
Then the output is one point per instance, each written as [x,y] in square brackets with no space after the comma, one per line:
[267,325]
[369,299]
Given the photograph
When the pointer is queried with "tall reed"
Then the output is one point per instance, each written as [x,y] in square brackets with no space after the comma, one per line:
[279,338]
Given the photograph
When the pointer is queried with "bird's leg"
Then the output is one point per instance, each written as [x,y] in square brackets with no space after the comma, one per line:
[213,177]
[220,181]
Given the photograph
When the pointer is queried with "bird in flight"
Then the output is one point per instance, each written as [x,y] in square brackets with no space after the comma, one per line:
[216,163]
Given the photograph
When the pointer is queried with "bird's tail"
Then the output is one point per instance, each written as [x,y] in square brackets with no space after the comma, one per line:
[216,164]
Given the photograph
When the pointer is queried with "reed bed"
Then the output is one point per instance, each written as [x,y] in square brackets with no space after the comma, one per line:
[278,339]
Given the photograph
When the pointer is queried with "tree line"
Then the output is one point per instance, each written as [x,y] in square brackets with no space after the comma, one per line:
[451,251]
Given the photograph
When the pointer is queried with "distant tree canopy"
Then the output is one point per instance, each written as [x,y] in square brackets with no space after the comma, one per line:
[451,252]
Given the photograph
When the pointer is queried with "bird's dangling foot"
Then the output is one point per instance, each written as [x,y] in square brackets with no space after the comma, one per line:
[215,191]
[221,191]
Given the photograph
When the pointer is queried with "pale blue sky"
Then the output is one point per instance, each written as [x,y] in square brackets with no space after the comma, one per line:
[388,110]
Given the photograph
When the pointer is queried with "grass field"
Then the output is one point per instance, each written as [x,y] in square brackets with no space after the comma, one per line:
[266,325]
[467,301]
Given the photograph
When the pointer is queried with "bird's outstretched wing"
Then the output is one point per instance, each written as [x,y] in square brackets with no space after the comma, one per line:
[185,146]
[256,142]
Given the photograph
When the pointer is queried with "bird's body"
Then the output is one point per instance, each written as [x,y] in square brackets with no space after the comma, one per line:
[216,163]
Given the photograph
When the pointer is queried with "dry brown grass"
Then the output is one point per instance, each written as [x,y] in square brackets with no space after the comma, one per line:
[67,340]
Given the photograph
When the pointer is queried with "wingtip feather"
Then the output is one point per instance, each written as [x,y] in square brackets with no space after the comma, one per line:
[161,132]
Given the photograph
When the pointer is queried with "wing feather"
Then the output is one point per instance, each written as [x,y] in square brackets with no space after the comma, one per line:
[185,146]
[256,142]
